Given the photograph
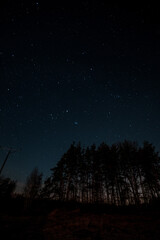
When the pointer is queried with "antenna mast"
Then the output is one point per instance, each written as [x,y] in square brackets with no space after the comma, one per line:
[5,160]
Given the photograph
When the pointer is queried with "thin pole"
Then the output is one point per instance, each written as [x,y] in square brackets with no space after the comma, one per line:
[9,152]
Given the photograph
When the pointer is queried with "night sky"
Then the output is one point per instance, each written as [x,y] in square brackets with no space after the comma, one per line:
[86,72]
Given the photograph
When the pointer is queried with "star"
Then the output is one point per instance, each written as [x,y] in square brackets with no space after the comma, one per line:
[51,115]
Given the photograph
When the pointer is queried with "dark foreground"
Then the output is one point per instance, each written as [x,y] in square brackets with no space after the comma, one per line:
[76,225]
[82,223]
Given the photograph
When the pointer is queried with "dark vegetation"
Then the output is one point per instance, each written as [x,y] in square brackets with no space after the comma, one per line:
[123,174]
[109,192]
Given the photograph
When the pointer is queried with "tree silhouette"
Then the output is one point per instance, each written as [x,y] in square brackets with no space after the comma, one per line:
[120,174]
[151,170]
[7,186]
[33,184]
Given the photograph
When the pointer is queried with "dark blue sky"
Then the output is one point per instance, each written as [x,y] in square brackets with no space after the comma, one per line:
[87,72]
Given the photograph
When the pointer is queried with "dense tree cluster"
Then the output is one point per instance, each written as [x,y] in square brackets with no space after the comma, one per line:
[120,174]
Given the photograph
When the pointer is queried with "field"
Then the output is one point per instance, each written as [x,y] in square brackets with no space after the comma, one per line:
[82,223]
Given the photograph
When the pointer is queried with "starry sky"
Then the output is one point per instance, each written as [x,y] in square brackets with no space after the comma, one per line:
[85,72]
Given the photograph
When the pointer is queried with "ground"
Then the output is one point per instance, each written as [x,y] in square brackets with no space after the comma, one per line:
[75,224]
[79,225]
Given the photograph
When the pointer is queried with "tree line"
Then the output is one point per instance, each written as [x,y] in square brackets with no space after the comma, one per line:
[121,174]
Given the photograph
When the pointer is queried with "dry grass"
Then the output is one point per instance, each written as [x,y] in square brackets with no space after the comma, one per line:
[74,225]
[64,224]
